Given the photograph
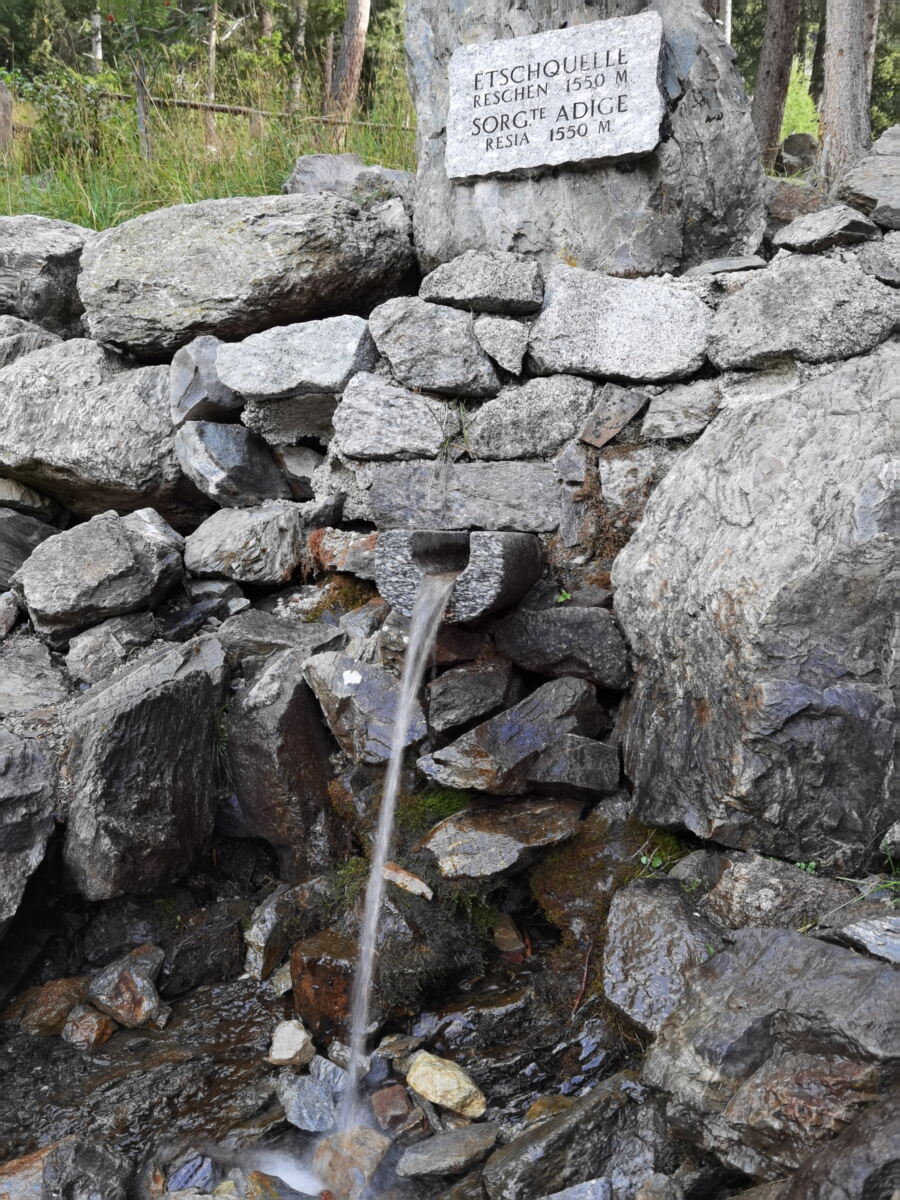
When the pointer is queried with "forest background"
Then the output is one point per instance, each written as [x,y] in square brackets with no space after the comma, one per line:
[110,111]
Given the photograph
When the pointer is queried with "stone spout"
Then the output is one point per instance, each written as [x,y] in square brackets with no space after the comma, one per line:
[495,569]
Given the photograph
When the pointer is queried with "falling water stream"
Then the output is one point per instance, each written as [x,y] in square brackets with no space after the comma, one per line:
[431,600]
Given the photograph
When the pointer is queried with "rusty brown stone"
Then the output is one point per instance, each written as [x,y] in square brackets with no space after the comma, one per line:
[47,1011]
[391,1105]
[322,968]
[86,1028]
[347,1161]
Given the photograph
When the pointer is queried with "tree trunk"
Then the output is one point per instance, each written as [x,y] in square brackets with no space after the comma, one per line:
[846,132]
[817,71]
[266,22]
[774,73]
[872,12]
[210,117]
[142,104]
[327,72]
[345,85]
[96,41]
[720,11]
[298,53]
[6,119]
[726,20]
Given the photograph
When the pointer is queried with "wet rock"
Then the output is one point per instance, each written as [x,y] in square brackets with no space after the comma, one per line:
[571,640]
[530,420]
[21,1178]
[116,841]
[871,183]
[467,693]
[811,309]
[683,410]
[818,231]
[119,925]
[209,950]
[322,968]
[39,261]
[285,422]
[31,682]
[432,348]
[391,1106]
[503,339]
[752,890]
[521,496]
[800,751]
[777,1041]
[87,1029]
[192,1169]
[360,701]
[876,935]
[641,329]
[450,1153]
[108,566]
[482,843]
[47,1011]
[195,391]
[278,754]
[616,1131]
[348,176]
[861,1162]
[291,1045]
[83,1168]
[26,500]
[228,464]
[27,802]
[442,1082]
[497,755]
[487,281]
[348,1161]
[378,420]
[250,545]
[255,633]
[94,655]
[298,465]
[284,917]
[579,767]
[307,1103]
[125,990]
[234,266]
[19,535]
[653,937]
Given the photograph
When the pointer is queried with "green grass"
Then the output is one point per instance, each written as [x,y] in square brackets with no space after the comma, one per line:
[800,114]
[418,812]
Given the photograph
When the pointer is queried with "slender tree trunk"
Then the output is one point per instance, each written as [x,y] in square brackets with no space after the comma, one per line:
[872,12]
[210,117]
[328,72]
[774,73]
[142,104]
[726,19]
[96,41]
[6,119]
[298,53]
[266,22]
[817,70]
[345,85]
[846,131]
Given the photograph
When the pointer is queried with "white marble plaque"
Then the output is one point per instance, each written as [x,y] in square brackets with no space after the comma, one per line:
[570,95]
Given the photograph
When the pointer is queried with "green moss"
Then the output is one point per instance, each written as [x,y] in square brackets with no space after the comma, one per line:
[344,592]
[350,880]
[419,811]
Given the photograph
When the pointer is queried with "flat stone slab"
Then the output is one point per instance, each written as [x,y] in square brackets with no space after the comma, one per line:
[569,95]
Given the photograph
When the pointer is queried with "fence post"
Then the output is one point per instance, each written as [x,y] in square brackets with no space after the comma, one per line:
[142,102]
[96,41]
[6,119]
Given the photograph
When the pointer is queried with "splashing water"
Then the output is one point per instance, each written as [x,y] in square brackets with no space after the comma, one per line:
[431,600]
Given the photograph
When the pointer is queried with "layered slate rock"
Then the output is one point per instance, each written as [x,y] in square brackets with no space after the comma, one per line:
[27,803]
[576,766]
[19,535]
[23,499]
[278,751]
[195,391]
[871,184]
[496,756]
[39,261]
[77,423]
[483,843]
[815,310]
[506,495]
[776,1043]
[250,545]
[235,266]
[31,682]
[699,194]
[433,348]
[228,464]
[108,566]
[762,560]
[18,337]
[360,702]
[531,420]
[376,419]
[815,232]
[615,407]
[306,359]
[466,693]
[487,282]
[860,1161]
[641,329]
[565,640]
[450,1153]
[139,816]
[96,653]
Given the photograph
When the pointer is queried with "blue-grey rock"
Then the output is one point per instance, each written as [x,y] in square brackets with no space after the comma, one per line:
[307,1102]
[262,544]
[229,464]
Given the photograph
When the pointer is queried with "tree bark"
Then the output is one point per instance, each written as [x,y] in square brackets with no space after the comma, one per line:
[96,41]
[142,104]
[817,70]
[266,22]
[298,53]
[210,117]
[345,85]
[6,119]
[774,73]
[720,11]
[872,12]
[846,130]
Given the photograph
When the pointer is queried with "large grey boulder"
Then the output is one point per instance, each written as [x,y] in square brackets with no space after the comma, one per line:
[569,640]
[18,337]
[754,599]
[96,653]
[872,183]
[376,419]
[530,420]
[698,195]
[348,176]
[432,347]
[263,544]
[487,281]
[27,797]
[278,754]
[641,329]
[108,566]
[776,1042]
[810,308]
[140,761]
[78,423]
[235,266]
[19,535]
[39,261]
[229,464]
